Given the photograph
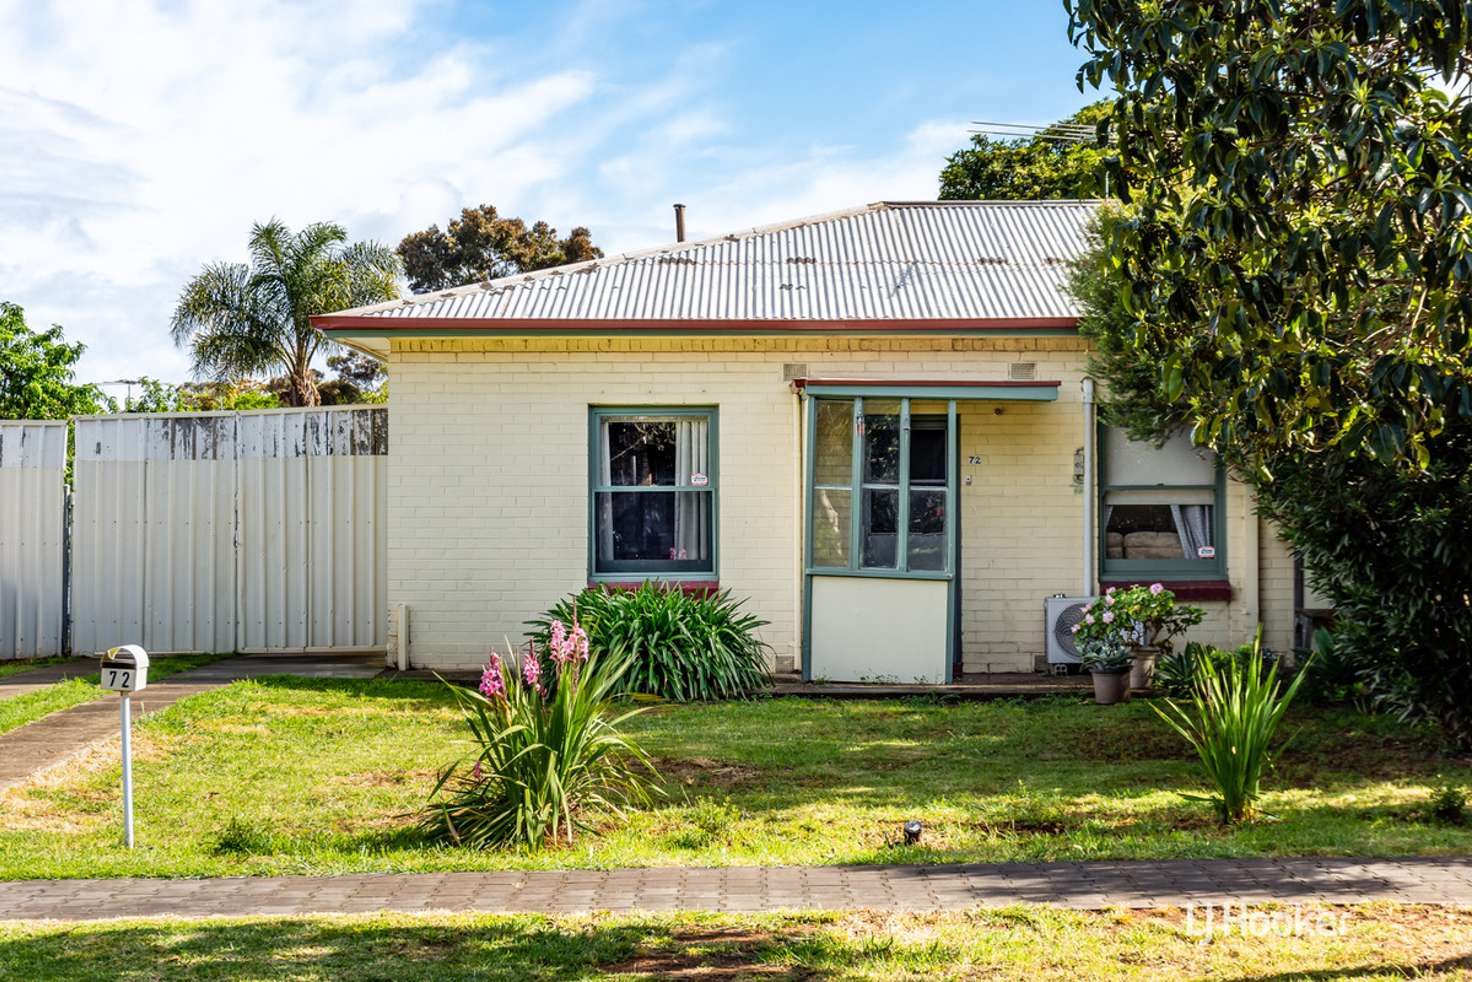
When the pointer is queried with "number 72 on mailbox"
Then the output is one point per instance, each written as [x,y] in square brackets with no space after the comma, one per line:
[124,670]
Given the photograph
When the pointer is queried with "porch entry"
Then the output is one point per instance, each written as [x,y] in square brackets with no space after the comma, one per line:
[880,539]
[882,543]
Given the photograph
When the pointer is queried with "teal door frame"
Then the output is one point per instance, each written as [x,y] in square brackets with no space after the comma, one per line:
[951,574]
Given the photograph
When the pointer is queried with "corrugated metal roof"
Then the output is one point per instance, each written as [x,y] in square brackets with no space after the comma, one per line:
[892,260]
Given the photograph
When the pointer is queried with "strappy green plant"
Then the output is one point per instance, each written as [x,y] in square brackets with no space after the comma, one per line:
[684,647]
[546,759]
[1235,708]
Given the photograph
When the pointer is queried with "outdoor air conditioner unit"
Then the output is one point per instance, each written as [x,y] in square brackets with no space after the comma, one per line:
[1059,616]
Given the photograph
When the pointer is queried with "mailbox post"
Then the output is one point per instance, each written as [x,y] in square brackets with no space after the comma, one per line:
[125,671]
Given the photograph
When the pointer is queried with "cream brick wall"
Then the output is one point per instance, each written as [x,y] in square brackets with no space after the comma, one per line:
[487,485]
[1276,563]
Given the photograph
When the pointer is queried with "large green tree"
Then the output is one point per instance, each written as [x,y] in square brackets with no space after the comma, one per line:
[1293,271]
[481,244]
[39,374]
[252,319]
[1023,169]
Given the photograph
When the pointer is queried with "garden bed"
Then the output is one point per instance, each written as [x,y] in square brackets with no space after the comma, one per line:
[289,775]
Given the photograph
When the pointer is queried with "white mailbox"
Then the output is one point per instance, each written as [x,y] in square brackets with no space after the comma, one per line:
[125,669]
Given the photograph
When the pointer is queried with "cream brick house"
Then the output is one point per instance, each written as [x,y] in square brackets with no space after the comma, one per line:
[874,424]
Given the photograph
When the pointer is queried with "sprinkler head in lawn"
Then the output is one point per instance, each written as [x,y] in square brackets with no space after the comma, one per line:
[912,833]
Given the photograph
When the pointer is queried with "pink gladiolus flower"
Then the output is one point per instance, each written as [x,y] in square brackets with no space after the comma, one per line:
[559,641]
[1157,588]
[1109,617]
[492,683]
[580,642]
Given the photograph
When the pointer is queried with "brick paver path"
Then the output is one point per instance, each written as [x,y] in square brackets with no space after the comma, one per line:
[56,738]
[898,888]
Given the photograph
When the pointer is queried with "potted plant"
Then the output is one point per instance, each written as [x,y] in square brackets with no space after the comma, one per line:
[1108,660]
[1146,618]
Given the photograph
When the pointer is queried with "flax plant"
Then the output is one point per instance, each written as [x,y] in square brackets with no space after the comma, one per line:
[1236,706]
[547,757]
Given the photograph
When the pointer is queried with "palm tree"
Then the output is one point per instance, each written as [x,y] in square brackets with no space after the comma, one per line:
[247,320]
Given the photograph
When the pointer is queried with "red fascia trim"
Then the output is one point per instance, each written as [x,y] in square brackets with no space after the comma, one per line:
[574,325]
[802,383]
[701,587]
[1183,589]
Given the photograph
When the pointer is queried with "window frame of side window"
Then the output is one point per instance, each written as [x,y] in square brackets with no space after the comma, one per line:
[657,570]
[1213,569]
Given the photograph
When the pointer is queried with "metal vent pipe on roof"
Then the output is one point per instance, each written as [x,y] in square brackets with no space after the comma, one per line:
[679,223]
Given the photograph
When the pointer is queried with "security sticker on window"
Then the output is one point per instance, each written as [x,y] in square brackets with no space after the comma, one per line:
[699,480]
[1206,552]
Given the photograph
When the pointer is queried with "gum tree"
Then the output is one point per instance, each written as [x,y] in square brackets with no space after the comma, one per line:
[1292,269]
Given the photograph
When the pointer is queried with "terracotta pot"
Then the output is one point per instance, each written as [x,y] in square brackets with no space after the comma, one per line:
[1110,687]
[1142,673]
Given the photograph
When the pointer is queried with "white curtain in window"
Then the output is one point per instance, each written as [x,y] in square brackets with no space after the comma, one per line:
[1193,525]
[605,501]
[692,456]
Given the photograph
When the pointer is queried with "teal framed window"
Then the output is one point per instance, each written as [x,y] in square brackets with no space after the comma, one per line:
[1162,510]
[881,487]
[653,493]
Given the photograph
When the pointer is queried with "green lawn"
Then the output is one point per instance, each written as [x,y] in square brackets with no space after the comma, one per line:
[20,710]
[313,776]
[1369,943]
[28,664]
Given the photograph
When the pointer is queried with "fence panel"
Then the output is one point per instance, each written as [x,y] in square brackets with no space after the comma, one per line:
[32,530]
[247,530]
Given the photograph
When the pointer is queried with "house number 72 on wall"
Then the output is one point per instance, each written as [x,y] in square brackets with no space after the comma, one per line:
[973,459]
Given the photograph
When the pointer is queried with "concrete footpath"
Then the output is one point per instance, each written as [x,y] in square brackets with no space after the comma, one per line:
[1446,881]
[54,739]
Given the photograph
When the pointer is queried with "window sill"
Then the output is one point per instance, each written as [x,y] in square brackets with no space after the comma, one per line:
[1183,589]
[701,587]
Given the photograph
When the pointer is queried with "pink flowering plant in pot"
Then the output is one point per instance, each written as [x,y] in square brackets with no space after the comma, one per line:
[1147,618]
[549,753]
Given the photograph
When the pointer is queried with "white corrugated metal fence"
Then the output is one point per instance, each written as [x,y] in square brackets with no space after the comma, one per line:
[32,530]
[252,531]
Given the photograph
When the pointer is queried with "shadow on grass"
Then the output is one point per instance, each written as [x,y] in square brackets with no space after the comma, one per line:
[515,947]
[1380,970]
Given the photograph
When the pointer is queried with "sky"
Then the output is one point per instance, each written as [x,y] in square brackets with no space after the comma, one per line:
[140,140]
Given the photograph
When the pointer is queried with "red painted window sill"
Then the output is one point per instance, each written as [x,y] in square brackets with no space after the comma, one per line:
[703,587]
[1183,589]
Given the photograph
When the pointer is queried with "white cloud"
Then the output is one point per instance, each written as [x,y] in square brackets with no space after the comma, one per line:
[138,142]
[140,139]
[757,186]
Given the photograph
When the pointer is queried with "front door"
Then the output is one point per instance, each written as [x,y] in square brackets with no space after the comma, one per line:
[881,546]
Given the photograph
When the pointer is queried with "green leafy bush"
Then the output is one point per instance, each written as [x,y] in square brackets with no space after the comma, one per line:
[679,646]
[545,757]
[1449,804]
[1175,672]
[1237,706]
